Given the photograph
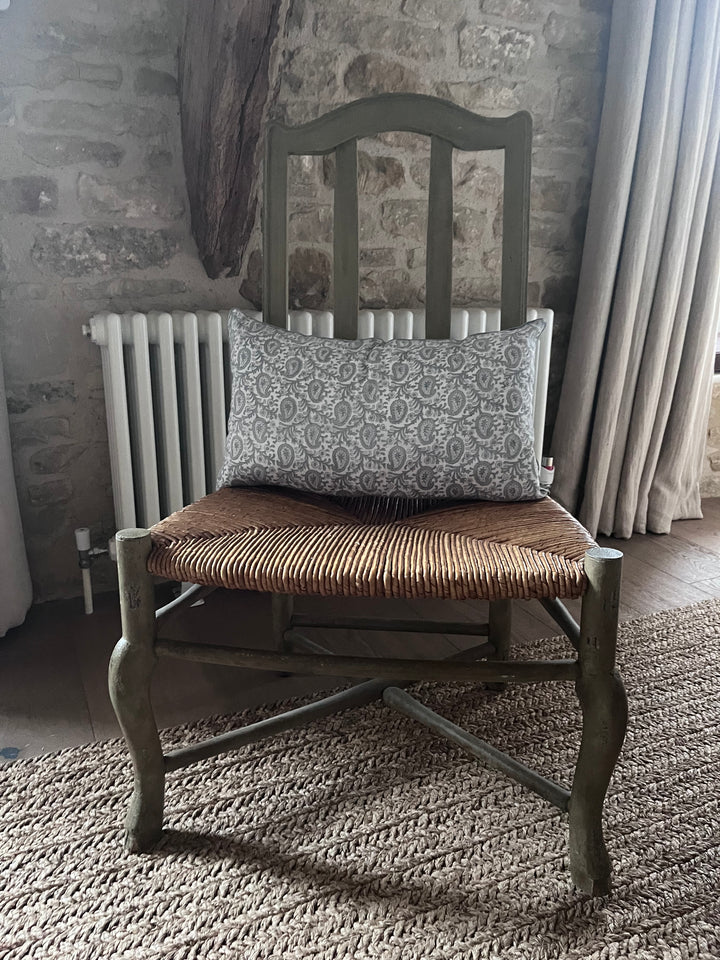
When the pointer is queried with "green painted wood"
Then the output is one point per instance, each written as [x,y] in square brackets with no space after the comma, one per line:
[130,674]
[419,625]
[511,671]
[410,112]
[438,269]
[603,702]
[275,218]
[449,126]
[357,696]
[516,222]
[404,703]
[345,241]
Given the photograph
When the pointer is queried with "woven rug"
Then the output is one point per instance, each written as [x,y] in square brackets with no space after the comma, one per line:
[364,836]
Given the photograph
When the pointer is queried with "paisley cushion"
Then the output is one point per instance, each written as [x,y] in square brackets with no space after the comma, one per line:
[445,418]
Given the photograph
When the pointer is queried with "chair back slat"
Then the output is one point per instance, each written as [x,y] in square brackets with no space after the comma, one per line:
[449,127]
[275,229]
[516,223]
[345,241]
[438,269]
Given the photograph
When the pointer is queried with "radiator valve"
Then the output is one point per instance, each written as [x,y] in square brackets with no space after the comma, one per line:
[547,472]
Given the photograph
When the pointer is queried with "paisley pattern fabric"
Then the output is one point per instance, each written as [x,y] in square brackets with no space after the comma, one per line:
[445,418]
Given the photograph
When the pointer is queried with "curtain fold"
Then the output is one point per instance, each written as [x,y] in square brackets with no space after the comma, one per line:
[15,586]
[631,423]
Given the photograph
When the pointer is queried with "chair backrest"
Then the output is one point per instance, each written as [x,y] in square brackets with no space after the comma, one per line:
[449,127]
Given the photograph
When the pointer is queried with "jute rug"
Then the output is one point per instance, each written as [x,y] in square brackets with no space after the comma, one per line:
[363,836]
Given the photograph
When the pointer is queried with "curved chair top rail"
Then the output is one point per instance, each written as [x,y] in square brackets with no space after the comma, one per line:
[405,112]
[449,127]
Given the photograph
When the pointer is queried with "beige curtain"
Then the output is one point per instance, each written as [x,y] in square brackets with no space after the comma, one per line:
[15,586]
[630,431]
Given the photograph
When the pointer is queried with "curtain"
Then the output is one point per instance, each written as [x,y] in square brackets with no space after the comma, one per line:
[15,587]
[630,432]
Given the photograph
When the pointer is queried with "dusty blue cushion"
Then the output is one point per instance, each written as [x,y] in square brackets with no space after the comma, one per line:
[405,418]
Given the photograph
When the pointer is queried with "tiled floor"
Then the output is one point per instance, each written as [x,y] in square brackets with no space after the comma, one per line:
[53,690]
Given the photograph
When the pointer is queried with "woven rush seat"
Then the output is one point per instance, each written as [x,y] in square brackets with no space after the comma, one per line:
[282,541]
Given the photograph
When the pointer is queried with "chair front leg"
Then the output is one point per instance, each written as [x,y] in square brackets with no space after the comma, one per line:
[604,710]
[131,667]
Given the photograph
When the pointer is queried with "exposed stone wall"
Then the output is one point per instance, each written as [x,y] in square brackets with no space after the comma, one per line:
[710,477]
[491,56]
[92,217]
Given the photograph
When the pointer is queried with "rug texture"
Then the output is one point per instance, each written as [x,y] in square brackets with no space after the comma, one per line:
[364,836]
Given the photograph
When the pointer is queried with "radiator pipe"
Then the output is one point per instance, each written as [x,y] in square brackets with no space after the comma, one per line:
[82,541]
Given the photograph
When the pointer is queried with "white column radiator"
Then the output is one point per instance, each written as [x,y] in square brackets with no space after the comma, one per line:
[167,394]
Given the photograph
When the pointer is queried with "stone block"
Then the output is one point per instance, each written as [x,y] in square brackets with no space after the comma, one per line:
[496,50]
[405,218]
[311,224]
[549,194]
[136,199]
[52,151]
[468,291]
[305,176]
[29,291]
[155,83]
[522,11]
[79,251]
[469,225]
[370,74]
[559,293]
[29,195]
[56,458]
[23,398]
[125,288]
[428,11]
[309,68]
[159,158]
[40,430]
[376,174]
[309,279]
[116,118]
[387,288]
[580,97]
[51,491]
[370,32]
[7,109]
[377,257]
[134,36]
[52,72]
[548,234]
[574,35]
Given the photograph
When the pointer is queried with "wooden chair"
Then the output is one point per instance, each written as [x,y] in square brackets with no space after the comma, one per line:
[241,537]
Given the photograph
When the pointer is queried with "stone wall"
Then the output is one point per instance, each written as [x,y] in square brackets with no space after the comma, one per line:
[710,476]
[92,217]
[93,210]
[491,56]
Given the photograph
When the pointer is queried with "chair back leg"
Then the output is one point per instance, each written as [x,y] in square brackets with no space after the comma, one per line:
[131,667]
[500,633]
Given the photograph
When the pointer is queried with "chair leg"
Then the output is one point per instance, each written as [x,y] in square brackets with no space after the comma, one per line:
[131,668]
[604,710]
[499,633]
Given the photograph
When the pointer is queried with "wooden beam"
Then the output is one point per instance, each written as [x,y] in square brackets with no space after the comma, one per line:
[224,89]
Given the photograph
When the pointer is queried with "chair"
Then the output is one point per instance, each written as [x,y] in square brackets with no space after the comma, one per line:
[241,537]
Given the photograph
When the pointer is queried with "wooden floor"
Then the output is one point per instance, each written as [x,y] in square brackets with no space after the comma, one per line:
[53,690]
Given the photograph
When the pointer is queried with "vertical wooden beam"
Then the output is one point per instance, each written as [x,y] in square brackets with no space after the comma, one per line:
[438,270]
[224,86]
[345,241]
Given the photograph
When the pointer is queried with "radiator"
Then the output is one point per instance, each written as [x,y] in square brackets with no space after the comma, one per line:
[167,394]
